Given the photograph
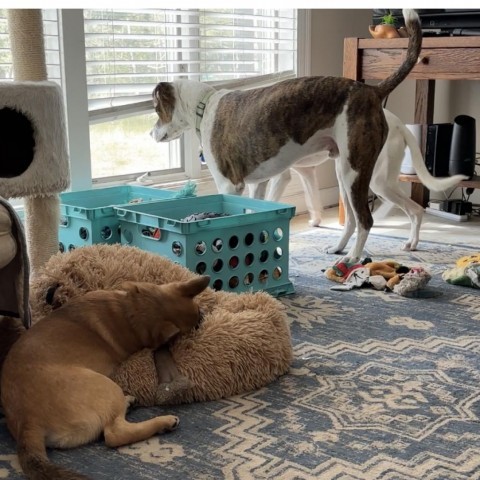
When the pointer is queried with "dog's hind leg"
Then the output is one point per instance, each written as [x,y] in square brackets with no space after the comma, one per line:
[118,431]
[364,223]
[349,225]
[122,432]
[412,209]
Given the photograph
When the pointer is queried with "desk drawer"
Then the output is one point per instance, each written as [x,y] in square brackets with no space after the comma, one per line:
[436,63]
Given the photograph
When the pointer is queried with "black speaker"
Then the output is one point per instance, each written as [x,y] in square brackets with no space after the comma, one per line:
[437,152]
[463,146]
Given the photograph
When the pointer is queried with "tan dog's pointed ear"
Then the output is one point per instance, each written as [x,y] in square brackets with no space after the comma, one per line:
[194,287]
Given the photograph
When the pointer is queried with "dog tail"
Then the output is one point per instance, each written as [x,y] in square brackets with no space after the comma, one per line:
[414,29]
[432,183]
[32,455]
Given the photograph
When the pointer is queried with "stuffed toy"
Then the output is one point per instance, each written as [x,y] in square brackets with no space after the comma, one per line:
[465,273]
[389,270]
[412,282]
[387,275]
[341,270]
[242,344]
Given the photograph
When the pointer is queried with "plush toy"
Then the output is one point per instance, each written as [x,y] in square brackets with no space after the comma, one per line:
[341,270]
[412,281]
[242,344]
[387,275]
[389,270]
[465,273]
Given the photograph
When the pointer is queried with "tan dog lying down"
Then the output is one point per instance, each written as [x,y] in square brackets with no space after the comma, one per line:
[55,386]
[243,342]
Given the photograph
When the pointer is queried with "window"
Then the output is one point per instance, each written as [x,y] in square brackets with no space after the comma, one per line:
[127,52]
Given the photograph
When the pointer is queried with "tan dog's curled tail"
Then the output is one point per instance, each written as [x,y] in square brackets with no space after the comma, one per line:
[414,29]
[35,464]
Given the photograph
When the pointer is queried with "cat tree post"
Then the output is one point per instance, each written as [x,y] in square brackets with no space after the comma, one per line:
[42,211]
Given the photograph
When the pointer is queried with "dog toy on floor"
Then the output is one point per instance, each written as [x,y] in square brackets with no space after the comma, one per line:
[465,273]
[242,344]
[387,275]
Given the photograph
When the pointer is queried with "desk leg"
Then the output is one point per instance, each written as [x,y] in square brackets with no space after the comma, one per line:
[420,194]
[424,102]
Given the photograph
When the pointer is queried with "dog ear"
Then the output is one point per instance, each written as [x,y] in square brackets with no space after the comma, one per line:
[193,287]
[164,101]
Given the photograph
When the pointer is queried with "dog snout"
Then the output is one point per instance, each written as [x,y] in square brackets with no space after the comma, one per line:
[157,136]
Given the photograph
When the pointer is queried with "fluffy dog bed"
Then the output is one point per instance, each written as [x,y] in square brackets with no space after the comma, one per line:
[242,344]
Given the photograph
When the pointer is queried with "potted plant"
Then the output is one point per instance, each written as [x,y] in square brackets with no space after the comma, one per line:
[385,29]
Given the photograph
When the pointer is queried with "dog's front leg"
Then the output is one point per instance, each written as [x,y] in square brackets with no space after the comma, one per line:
[224,185]
[257,190]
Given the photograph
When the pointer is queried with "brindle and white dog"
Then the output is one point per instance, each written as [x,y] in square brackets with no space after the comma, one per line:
[384,183]
[251,136]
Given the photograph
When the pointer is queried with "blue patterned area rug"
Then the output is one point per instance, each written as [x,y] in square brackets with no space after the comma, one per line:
[381,387]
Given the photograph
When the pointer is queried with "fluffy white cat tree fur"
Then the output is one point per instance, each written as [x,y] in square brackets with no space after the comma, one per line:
[42,103]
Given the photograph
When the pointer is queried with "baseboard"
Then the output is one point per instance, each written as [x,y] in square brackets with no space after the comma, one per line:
[448,215]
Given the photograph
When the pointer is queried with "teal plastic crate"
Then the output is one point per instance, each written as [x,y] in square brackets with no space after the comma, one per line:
[88,217]
[244,249]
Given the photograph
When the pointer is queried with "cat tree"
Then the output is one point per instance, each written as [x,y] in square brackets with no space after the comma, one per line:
[34,147]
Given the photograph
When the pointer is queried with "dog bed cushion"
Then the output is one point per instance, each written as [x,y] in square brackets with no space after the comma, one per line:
[242,344]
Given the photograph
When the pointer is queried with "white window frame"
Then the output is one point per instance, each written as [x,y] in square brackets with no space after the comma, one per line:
[78,120]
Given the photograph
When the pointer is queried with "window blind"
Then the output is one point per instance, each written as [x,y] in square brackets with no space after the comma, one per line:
[129,51]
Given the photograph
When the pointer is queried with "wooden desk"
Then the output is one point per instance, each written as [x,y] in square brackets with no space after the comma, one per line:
[474,182]
[442,58]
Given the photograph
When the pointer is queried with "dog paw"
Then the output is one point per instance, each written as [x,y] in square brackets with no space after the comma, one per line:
[315,222]
[130,400]
[332,250]
[409,246]
[170,423]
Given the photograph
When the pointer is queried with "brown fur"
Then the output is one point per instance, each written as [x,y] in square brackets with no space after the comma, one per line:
[276,113]
[252,126]
[56,389]
[246,329]
[164,101]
